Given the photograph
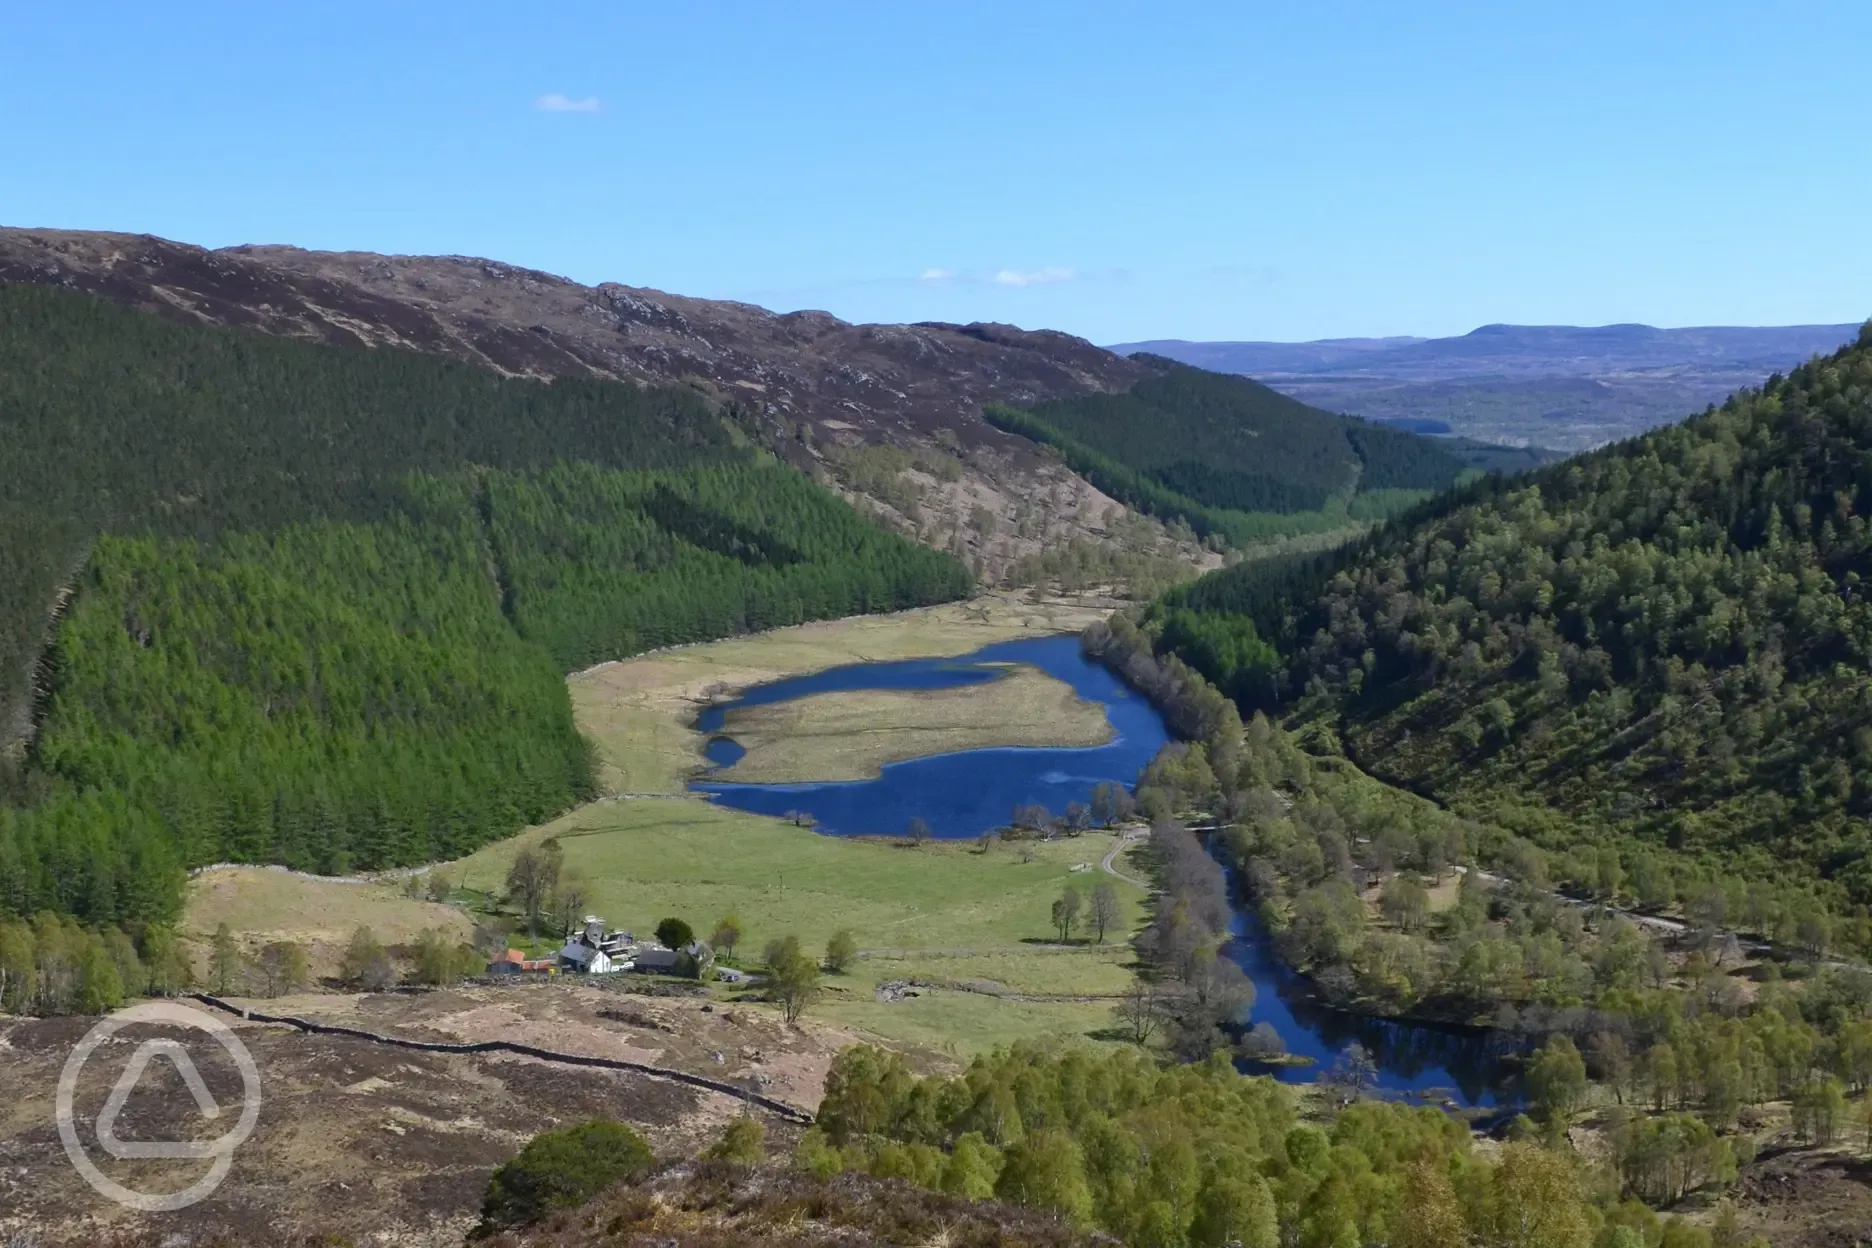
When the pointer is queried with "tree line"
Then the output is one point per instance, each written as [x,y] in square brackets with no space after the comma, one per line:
[1194,1155]
[118,421]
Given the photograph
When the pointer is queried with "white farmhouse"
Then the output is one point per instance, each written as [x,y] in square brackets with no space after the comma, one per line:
[593,951]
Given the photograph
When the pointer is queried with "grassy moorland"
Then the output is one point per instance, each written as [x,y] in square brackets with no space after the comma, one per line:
[265,906]
[850,734]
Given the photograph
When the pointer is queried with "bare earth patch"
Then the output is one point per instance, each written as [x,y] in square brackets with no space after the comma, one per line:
[850,735]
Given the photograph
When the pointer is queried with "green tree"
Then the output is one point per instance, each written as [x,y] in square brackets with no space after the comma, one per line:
[727,933]
[673,933]
[1430,1214]
[792,977]
[131,973]
[1326,925]
[226,962]
[365,965]
[561,1170]
[816,1156]
[1235,1209]
[840,950]
[1535,1201]
[1405,901]
[441,960]
[166,962]
[100,986]
[283,967]
[743,1142]
[18,967]
[972,1168]
[1046,1170]
[1819,1109]
[1066,911]
[1556,1079]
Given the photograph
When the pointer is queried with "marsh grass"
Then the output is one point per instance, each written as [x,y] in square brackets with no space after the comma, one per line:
[851,734]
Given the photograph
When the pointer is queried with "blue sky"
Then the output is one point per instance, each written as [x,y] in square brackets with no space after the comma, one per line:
[1122,171]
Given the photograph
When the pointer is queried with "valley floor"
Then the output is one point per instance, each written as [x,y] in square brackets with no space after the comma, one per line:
[964,937]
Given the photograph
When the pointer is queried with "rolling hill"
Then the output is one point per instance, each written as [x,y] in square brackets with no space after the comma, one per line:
[1564,386]
[1667,641]
[888,413]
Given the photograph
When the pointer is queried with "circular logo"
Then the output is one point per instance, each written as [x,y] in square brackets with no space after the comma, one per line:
[221,1150]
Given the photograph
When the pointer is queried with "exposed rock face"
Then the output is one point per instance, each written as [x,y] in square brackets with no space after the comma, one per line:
[811,379]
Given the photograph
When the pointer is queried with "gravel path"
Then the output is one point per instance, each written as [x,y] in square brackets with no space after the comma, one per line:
[1125,842]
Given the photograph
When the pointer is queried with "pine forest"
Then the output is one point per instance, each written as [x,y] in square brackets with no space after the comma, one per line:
[277,602]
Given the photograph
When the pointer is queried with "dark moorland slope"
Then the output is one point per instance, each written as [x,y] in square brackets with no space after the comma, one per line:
[809,385]
[276,601]
[1668,639]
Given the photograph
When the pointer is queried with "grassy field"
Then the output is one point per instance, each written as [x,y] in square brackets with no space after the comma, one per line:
[639,710]
[262,906]
[942,911]
[643,860]
[849,735]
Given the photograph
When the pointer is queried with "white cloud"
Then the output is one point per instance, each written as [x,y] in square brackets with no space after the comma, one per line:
[938,275]
[559,102]
[1034,277]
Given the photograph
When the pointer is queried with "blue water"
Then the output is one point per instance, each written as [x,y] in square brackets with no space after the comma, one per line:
[975,791]
[1415,1062]
[958,795]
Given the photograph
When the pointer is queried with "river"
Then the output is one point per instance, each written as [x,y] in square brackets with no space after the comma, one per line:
[975,791]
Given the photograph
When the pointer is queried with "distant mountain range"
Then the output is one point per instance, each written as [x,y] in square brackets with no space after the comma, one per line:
[1561,386]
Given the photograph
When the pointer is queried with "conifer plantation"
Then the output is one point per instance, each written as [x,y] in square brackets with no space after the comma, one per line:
[270,601]
[1234,459]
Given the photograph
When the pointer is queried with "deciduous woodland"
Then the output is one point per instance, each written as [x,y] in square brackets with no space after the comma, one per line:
[278,602]
[1194,1155]
[1661,647]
